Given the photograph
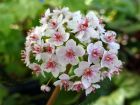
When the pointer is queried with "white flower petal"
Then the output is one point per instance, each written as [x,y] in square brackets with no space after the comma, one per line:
[79,51]
[71,43]
[55,72]
[90,48]
[89,90]
[84,65]
[56,83]
[78,72]
[64,77]
[85,82]
[96,86]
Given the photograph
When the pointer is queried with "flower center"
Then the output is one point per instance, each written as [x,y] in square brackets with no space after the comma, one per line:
[84,25]
[88,72]
[95,53]
[48,49]
[53,24]
[34,37]
[36,49]
[58,36]
[78,87]
[109,38]
[70,53]
[36,69]
[50,64]
[108,58]
[65,84]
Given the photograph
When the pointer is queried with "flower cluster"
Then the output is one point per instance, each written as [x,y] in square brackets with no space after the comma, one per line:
[67,38]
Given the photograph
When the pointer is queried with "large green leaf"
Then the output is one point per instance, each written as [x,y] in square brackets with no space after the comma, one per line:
[129,83]
[116,98]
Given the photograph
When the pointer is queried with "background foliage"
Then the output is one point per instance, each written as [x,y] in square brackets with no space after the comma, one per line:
[17,83]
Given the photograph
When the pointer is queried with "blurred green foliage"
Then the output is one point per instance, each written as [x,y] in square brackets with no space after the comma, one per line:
[18,16]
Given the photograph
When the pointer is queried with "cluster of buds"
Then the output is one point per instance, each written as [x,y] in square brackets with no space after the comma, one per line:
[71,39]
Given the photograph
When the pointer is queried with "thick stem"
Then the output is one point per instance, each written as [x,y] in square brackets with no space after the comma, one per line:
[54,96]
[56,90]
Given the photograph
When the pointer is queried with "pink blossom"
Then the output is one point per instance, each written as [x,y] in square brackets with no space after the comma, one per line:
[77,86]
[83,28]
[109,37]
[89,74]
[52,65]
[95,52]
[64,82]
[109,59]
[36,69]
[45,88]
[59,37]
[69,54]
[92,88]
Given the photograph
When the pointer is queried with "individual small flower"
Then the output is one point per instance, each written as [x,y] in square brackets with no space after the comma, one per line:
[115,70]
[89,74]
[69,54]
[109,59]
[52,65]
[48,48]
[44,19]
[77,86]
[92,88]
[59,37]
[25,56]
[109,37]
[64,82]
[114,46]
[45,88]
[55,22]
[82,28]
[95,52]
[36,69]
[36,48]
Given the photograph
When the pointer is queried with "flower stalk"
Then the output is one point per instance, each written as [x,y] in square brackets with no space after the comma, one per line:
[53,96]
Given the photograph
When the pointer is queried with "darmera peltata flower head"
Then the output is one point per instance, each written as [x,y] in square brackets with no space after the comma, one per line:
[75,49]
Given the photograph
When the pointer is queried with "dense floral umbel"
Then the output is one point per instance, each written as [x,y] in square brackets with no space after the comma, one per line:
[70,38]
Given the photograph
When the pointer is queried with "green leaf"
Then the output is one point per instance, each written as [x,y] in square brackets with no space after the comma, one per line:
[116,98]
[129,83]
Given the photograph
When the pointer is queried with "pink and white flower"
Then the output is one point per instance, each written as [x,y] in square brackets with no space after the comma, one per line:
[83,29]
[46,16]
[36,69]
[64,82]
[69,54]
[45,88]
[77,86]
[54,22]
[89,74]
[95,52]
[48,48]
[92,88]
[25,56]
[115,70]
[52,65]
[109,59]
[109,37]
[59,37]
